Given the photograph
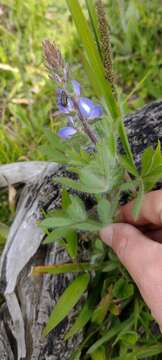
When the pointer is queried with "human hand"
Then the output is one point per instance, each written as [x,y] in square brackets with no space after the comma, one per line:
[138,244]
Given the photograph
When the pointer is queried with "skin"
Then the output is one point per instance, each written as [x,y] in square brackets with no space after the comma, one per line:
[138,244]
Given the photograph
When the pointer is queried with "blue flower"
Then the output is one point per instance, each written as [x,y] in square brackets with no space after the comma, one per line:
[88,109]
[76,87]
[67,132]
[86,106]
[66,106]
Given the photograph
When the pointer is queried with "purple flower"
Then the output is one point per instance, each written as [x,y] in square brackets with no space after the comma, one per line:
[88,109]
[66,106]
[76,87]
[67,132]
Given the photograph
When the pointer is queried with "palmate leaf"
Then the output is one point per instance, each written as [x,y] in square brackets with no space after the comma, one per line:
[67,301]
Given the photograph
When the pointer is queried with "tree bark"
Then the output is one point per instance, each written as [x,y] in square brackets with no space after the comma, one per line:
[29,300]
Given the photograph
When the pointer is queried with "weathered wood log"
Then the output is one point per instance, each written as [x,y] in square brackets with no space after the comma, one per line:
[28,300]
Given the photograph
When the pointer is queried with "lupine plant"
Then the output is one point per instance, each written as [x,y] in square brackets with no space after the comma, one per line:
[96,174]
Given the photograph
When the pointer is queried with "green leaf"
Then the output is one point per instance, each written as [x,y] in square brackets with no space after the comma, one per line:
[151,166]
[147,161]
[56,222]
[67,301]
[76,355]
[65,268]
[56,235]
[89,225]
[126,146]
[69,183]
[99,354]
[72,243]
[65,199]
[76,210]
[110,266]
[91,74]
[81,320]
[138,201]
[122,289]
[110,334]
[126,357]
[104,211]
[4,230]
[93,20]
[129,185]
[102,309]
[127,164]
[148,351]
[130,338]
[93,182]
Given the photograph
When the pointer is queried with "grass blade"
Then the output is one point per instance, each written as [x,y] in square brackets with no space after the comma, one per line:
[67,301]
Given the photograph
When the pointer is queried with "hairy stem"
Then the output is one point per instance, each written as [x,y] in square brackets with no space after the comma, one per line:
[84,122]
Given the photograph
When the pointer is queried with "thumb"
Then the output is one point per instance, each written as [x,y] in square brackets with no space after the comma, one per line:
[143,259]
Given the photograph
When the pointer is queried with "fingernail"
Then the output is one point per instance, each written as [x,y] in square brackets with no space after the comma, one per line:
[107,235]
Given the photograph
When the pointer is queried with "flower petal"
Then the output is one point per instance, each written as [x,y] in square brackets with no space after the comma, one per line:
[66,132]
[96,112]
[76,87]
[86,106]
[71,120]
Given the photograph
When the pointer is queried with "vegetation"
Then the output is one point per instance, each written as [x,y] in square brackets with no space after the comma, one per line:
[28,104]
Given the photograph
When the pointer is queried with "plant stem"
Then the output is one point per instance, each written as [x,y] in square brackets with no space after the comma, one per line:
[84,122]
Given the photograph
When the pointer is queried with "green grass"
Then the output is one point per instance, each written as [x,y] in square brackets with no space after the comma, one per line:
[27,98]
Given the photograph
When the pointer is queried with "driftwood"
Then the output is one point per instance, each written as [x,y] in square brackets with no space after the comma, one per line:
[28,300]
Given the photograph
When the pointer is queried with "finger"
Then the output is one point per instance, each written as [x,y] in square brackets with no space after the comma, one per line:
[151,210]
[143,259]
